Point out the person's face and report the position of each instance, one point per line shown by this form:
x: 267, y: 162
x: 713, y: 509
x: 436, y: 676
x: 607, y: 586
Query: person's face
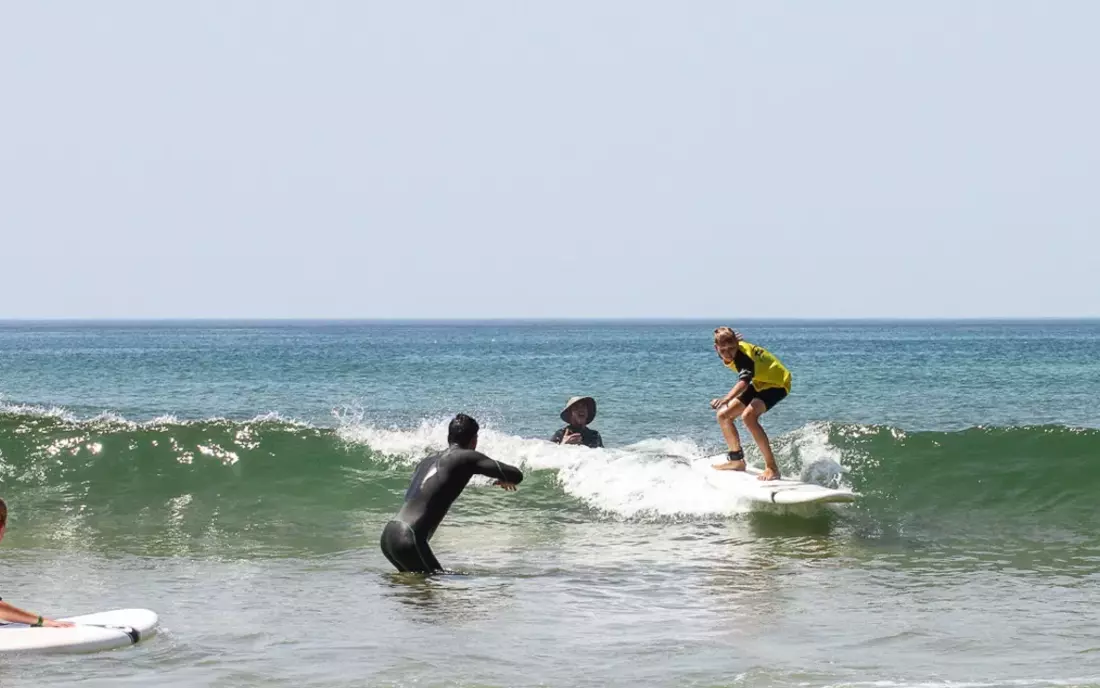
x: 726, y: 349
x: 578, y: 415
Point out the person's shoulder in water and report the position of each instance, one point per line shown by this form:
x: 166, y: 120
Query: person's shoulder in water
x: 578, y: 413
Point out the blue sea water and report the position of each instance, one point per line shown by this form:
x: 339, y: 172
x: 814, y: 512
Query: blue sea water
x: 234, y: 476
x: 651, y: 379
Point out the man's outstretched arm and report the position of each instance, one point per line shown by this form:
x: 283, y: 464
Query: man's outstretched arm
x: 483, y: 465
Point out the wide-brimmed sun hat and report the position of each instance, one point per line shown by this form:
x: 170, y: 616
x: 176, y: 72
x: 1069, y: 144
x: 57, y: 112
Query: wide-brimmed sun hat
x: 573, y: 401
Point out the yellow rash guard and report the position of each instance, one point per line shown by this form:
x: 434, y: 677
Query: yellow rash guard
x: 758, y: 366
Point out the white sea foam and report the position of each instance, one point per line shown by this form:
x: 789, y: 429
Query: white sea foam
x: 651, y: 477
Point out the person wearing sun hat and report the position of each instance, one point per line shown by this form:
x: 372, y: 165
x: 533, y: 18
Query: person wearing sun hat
x: 578, y: 413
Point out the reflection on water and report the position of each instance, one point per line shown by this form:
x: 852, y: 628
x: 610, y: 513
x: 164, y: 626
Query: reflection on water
x: 767, y: 524
x: 450, y: 598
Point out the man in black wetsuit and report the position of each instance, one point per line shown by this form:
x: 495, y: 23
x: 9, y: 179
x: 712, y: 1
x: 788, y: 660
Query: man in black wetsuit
x: 436, y: 483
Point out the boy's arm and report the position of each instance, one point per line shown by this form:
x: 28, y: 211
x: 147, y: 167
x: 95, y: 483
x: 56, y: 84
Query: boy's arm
x: 746, y: 371
x: 737, y: 391
x: 10, y: 612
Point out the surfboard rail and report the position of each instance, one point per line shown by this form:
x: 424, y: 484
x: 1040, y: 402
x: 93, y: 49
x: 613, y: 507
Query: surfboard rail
x: 782, y: 491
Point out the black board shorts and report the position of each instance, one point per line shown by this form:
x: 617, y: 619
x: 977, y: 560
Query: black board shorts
x: 770, y: 396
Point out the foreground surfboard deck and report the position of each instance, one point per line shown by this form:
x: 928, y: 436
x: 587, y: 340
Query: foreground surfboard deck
x: 93, y: 632
x: 782, y: 491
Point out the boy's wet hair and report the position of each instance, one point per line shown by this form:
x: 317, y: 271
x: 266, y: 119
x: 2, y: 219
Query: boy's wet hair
x: 462, y: 431
x: 3, y: 512
x: 726, y: 334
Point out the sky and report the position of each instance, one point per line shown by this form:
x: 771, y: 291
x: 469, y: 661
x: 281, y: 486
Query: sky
x: 634, y: 159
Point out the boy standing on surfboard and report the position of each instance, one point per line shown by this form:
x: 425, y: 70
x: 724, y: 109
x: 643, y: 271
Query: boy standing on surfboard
x: 762, y: 382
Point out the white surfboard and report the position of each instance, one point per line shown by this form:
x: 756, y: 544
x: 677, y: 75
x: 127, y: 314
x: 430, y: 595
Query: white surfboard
x: 92, y: 633
x: 782, y: 491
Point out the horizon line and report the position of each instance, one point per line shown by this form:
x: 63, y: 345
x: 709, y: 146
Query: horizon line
x: 560, y: 319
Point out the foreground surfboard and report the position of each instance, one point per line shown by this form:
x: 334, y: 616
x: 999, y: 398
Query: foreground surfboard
x: 782, y: 491
x: 93, y: 632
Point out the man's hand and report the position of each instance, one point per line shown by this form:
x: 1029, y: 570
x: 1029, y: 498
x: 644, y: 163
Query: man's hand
x: 715, y: 403
x: 511, y: 487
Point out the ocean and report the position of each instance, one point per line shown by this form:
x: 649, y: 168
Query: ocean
x: 235, y: 477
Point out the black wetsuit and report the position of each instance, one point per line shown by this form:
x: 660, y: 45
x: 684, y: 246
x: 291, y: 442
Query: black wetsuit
x: 589, y: 437
x: 436, y: 483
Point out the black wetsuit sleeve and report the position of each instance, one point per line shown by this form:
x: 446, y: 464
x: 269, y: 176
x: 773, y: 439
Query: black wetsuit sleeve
x: 492, y: 468
x: 556, y: 439
x: 745, y: 365
x: 598, y: 440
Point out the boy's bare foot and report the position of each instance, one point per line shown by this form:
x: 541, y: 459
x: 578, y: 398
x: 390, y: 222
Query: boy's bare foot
x: 738, y: 465
x: 768, y: 474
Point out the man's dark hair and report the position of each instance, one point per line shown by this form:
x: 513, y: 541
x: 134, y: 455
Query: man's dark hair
x: 462, y: 431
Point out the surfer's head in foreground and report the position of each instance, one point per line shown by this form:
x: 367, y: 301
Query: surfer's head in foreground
x: 13, y: 614
x: 462, y: 432
x: 762, y: 382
